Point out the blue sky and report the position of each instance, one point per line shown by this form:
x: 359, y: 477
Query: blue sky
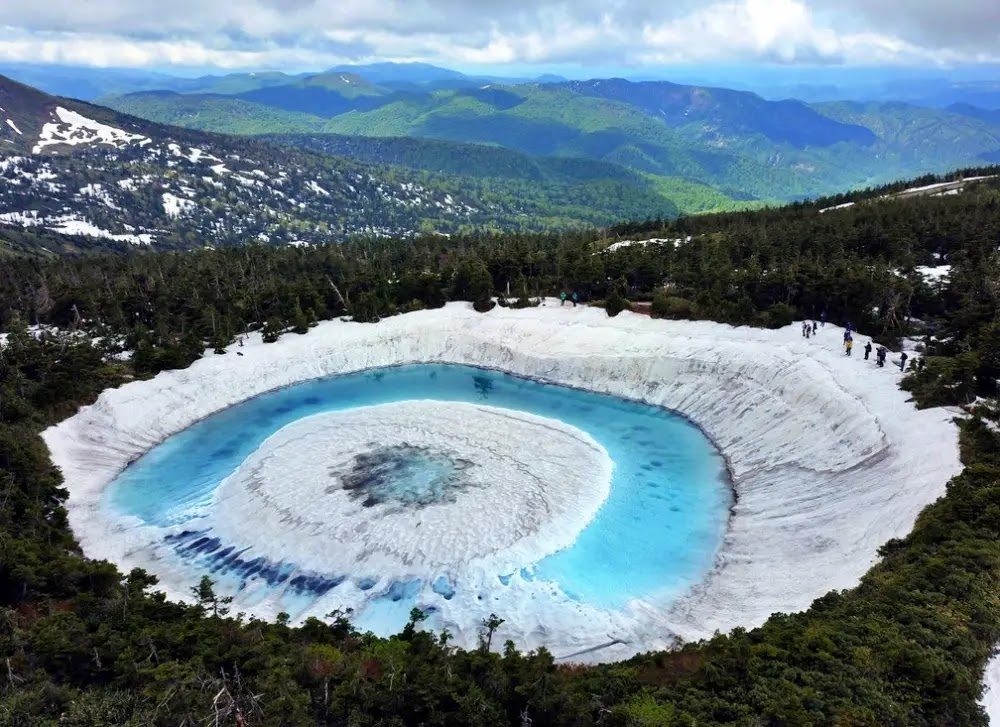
x: 520, y: 37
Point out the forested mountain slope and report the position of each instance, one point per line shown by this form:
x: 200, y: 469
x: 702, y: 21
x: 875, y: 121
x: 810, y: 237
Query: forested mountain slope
x: 85, y: 644
x: 734, y: 141
x: 110, y: 180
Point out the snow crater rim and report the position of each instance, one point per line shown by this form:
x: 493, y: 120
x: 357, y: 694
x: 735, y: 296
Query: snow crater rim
x: 828, y: 461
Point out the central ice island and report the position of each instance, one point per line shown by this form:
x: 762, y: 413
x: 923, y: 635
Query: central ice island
x: 606, y: 486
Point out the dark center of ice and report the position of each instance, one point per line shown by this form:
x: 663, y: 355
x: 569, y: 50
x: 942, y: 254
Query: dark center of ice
x: 404, y: 475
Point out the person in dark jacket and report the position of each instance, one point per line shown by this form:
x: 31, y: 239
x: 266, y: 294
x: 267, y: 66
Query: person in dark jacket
x: 822, y: 318
x: 902, y: 361
x: 868, y: 350
x: 814, y: 327
x: 576, y: 299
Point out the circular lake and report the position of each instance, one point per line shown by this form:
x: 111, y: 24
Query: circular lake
x: 324, y: 494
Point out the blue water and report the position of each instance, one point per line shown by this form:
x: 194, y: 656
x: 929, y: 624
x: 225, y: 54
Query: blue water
x: 657, y: 532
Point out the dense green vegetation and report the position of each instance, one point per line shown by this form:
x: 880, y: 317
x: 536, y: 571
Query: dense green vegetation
x: 86, y: 645
x: 522, y: 176
x: 745, y: 147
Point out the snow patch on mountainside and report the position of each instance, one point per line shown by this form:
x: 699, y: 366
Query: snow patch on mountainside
x: 174, y: 206
x: 73, y: 129
x: 621, y: 244
x: 12, y: 125
x: 837, y: 207
x: 71, y: 225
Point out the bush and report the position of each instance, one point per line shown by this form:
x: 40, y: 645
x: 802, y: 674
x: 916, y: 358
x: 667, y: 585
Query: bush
x: 669, y: 306
x: 272, y: 330
x: 484, y: 304
x: 616, y: 302
x: 780, y: 315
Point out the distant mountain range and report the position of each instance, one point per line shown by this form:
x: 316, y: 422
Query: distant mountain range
x: 89, y: 84
x: 736, y: 142
x: 75, y: 176
x: 410, y: 149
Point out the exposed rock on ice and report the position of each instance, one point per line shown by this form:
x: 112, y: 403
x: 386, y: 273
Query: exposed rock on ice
x: 828, y: 459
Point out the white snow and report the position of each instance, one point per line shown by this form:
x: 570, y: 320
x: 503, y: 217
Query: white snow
x: 174, y: 206
x: 991, y: 697
x: 72, y: 225
x: 621, y: 244
x: 828, y: 458
x: 837, y: 207
x: 935, y: 274
x: 72, y: 129
x: 194, y: 154
x: 311, y: 184
x: 12, y: 125
x: 100, y: 193
x: 29, y: 218
x: 952, y: 187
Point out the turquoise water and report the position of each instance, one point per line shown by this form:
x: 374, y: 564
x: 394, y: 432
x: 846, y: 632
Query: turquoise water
x: 657, y: 532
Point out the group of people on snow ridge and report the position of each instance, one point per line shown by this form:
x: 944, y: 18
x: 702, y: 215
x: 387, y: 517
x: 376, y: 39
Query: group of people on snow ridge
x: 562, y: 298
x: 809, y: 329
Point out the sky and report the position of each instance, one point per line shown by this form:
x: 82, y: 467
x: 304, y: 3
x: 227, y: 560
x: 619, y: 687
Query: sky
x: 526, y: 35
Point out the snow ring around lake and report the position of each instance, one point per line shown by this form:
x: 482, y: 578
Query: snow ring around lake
x: 411, y: 489
x: 827, y: 457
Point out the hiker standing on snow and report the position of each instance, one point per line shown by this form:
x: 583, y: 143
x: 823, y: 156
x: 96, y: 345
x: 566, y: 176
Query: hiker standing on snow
x: 849, y: 345
x: 822, y: 318
x: 902, y: 361
x: 868, y: 350
x: 881, y: 355
x: 562, y: 298
x: 576, y: 299
x: 814, y: 328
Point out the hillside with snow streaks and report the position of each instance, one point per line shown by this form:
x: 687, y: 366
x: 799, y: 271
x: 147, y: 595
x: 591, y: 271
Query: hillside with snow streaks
x: 112, y: 181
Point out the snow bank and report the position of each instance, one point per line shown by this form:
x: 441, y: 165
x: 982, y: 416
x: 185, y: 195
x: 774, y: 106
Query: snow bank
x: 843, y: 206
x: 991, y: 697
x: 828, y: 459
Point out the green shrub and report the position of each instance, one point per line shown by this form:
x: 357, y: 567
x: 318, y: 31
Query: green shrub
x: 670, y: 306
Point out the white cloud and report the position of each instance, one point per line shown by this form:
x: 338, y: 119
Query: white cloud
x: 314, y: 33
